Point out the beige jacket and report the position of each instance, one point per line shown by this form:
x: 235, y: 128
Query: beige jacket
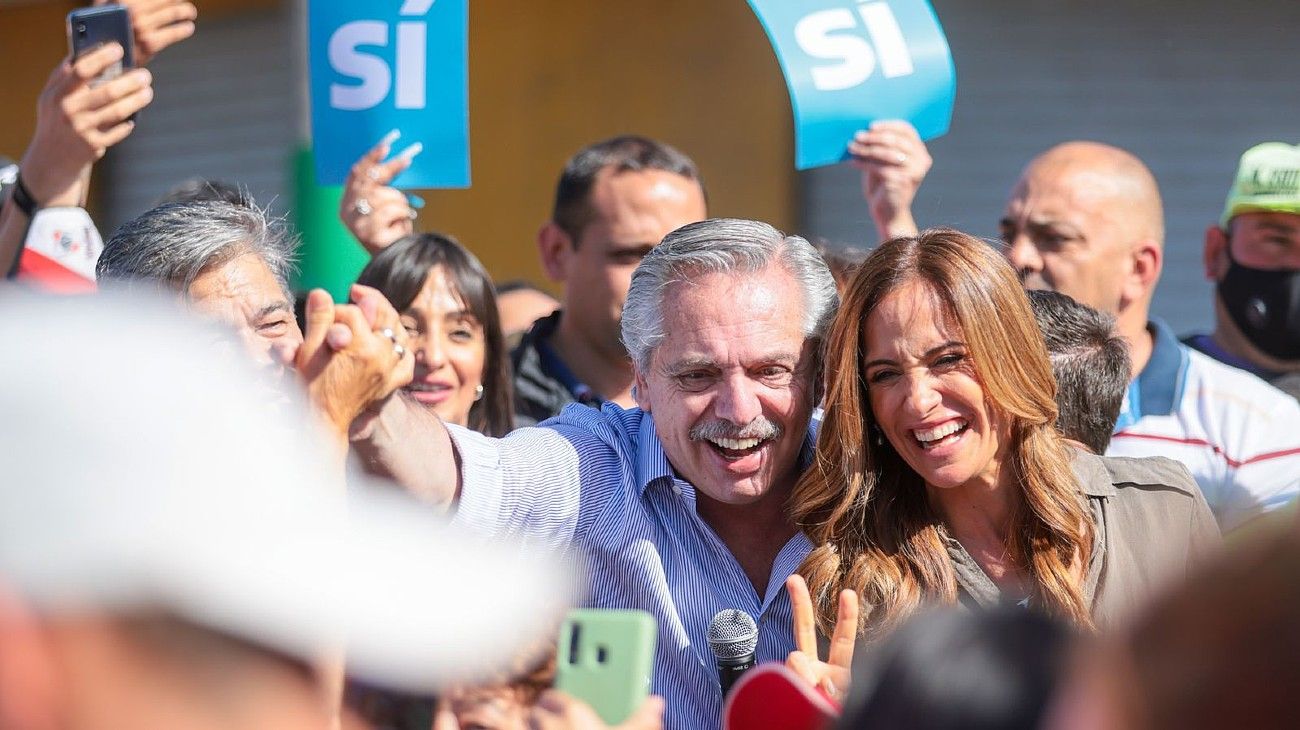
x: 1152, y: 524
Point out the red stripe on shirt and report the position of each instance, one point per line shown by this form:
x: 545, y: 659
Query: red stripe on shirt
x: 1202, y: 442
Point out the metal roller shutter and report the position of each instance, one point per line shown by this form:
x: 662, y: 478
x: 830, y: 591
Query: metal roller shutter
x: 225, y: 108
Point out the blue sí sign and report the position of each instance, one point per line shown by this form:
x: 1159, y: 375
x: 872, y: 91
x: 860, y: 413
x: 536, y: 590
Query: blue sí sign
x: 849, y: 63
x: 381, y: 65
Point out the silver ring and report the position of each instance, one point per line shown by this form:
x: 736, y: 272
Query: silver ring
x: 412, y: 213
x: 386, y: 332
x: 399, y: 350
x: 362, y: 207
x: 373, y: 173
x: 902, y: 158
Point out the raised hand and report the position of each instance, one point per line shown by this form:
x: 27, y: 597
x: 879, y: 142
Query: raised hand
x: 352, y: 355
x: 832, y: 675
x: 893, y: 161
x: 375, y: 213
x: 76, y: 124
x: 158, y: 24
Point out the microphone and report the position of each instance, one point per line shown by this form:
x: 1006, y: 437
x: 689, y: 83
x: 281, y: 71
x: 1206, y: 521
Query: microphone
x: 733, y: 636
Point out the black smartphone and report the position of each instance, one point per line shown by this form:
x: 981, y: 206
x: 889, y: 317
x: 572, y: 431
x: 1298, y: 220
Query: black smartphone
x: 91, y: 28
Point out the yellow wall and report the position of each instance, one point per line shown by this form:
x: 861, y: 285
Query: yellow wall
x: 32, y: 40
x: 545, y: 79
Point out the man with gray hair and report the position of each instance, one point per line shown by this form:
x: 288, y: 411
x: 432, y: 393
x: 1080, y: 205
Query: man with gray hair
x: 1090, y: 363
x: 230, y: 262
x: 678, y: 504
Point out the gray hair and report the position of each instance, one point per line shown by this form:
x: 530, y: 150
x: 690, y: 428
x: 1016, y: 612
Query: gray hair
x: 173, y: 243
x: 721, y: 245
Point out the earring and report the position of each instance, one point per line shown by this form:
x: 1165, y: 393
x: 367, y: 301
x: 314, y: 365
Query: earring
x: 478, y: 393
x: 880, y: 439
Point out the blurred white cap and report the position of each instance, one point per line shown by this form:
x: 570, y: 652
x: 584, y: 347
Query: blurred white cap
x: 140, y: 470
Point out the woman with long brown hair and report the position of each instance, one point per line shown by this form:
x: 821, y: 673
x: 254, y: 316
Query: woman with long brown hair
x: 940, y: 477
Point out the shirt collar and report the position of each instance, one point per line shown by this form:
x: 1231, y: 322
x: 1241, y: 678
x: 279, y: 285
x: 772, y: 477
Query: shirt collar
x: 1158, y: 388
x: 1090, y: 471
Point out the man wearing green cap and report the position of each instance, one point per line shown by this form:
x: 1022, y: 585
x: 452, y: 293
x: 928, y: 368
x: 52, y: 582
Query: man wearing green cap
x: 1253, y: 256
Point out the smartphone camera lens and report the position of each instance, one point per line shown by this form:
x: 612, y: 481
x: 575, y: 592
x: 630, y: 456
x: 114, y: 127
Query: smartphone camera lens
x: 574, y: 643
x: 81, y: 28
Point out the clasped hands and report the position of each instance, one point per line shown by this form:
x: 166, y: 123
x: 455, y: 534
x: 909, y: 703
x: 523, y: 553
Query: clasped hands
x: 353, y: 356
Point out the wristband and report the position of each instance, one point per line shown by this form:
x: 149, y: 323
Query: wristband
x: 22, y: 197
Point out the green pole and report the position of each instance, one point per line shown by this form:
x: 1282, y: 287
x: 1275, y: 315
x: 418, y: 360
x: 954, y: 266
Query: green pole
x: 330, y: 258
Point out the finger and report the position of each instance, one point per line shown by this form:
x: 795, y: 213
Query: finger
x: 111, y: 136
x: 160, y: 39
x: 112, y: 92
x: 338, y: 336
x: 802, y: 665
x: 883, y: 156
x: 94, y: 63
x: 386, y: 172
x: 382, y: 316
x: 898, y: 127
x: 875, y: 153
x: 120, y: 110
x: 386, y: 196
x: 319, y: 317
x: 379, y: 312
x: 846, y: 631
x: 803, y: 621
x: 374, y: 155
x: 163, y: 15
x: 369, y: 307
x: 355, y: 320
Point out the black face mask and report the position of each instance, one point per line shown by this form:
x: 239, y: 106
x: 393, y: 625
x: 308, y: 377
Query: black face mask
x: 1265, y: 306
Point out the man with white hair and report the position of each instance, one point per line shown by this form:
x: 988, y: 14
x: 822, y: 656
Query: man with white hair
x: 678, y: 504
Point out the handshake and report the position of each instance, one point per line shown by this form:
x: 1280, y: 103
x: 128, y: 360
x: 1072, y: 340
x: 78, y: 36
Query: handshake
x: 353, y: 357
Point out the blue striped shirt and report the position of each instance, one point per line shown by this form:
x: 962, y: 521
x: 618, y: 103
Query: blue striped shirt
x: 600, y: 481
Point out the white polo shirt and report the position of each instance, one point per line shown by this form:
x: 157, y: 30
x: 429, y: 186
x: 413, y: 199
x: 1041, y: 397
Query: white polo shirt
x: 1238, y: 435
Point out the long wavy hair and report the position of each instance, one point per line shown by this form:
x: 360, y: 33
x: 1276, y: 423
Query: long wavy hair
x: 867, y: 511
x: 399, y: 273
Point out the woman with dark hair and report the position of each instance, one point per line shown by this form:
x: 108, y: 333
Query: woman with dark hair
x: 940, y: 478
x: 449, y: 309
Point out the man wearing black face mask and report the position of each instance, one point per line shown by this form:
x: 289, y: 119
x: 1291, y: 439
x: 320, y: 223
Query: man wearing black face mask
x: 1253, y: 255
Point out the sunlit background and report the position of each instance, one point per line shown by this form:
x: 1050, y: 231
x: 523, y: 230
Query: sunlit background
x: 1186, y: 85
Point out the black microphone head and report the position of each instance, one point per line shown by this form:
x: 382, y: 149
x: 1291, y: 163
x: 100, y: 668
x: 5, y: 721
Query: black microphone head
x: 732, y: 635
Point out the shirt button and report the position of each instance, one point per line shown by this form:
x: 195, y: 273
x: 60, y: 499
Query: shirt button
x: 677, y: 489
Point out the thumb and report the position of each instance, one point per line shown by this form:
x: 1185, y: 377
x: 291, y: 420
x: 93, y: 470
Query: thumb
x: 319, y: 316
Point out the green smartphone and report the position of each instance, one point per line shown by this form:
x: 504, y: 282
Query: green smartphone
x: 605, y: 658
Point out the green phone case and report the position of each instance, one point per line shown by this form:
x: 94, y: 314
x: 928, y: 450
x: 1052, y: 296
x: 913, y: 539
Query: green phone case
x: 605, y: 658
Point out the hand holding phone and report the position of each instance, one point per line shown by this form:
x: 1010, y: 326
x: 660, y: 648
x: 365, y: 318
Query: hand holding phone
x: 605, y: 658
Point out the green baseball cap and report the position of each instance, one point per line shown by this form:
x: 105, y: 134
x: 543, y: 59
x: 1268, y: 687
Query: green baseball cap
x: 1268, y: 181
